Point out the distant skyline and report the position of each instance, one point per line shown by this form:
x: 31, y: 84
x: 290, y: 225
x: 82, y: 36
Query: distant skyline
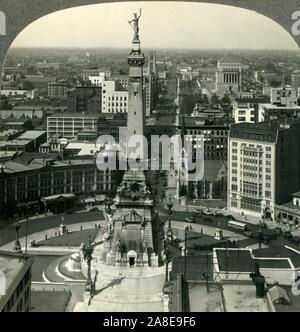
x: 162, y: 25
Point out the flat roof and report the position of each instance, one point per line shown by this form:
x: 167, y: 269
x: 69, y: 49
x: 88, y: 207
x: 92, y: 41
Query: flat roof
x: 75, y: 115
x: 11, y: 264
x: 31, y: 134
x: 238, y: 260
x: 279, y: 107
x: 242, y: 298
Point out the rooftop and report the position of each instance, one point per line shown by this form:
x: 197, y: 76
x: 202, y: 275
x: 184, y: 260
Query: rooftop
x: 11, y: 264
x: 230, y: 59
x: 75, y: 115
x: 242, y: 298
x: 31, y: 134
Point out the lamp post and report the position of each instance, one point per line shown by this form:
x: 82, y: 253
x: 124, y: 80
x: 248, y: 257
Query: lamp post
x: 167, y: 260
x: 108, y: 203
x: 169, y: 230
x: 87, y: 255
x: 17, y: 247
x: 185, y: 252
x: 260, y: 234
x: 185, y: 284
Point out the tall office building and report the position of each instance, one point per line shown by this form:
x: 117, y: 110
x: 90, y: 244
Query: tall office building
x: 263, y: 166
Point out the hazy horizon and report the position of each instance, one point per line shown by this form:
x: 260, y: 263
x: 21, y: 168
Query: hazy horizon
x: 163, y: 25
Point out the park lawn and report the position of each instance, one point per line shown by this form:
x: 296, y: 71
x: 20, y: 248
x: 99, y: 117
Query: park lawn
x: 49, y: 301
x: 73, y: 239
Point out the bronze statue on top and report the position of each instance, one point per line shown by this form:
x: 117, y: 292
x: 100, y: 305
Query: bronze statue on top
x: 134, y: 23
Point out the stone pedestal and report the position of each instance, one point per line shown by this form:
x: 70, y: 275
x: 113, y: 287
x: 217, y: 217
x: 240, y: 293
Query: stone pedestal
x: 219, y: 234
x: 145, y: 259
x: 111, y: 258
x: 154, y: 260
x: 63, y: 229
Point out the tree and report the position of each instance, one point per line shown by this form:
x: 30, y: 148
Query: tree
x: 183, y: 191
x: 214, y: 99
x: 27, y: 85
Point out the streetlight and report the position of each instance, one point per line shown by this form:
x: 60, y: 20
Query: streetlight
x: 186, y: 227
x: 260, y: 233
x: 170, y: 231
x: 17, y: 247
x: 185, y: 288
x: 26, y: 228
x: 87, y: 255
x: 167, y: 260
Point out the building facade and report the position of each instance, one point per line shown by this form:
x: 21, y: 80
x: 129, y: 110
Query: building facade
x: 263, y: 166
x: 58, y: 89
x: 15, y: 278
x: 85, y: 99
x: 229, y: 76
x: 68, y: 125
x: 28, y: 184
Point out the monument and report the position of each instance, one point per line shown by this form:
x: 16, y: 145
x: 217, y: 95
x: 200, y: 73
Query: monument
x: 136, y: 233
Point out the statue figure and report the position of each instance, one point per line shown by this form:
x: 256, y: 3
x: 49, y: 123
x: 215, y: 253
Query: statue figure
x: 134, y: 23
x: 145, y: 247
x: 118, y: 244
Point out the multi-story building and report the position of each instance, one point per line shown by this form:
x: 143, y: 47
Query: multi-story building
x: 97, y: 80
x: 28, y: 141
x: 15, y: 282
x: 284, y: 96
x: 19, y: 94
x: 247, y: 109
x: 229, y: 75
x: 58, y: 89
x: 263, y: 166
x: 85, y: 99
x: 269, y: 112
x: 68, y: 125
x: 86, y: 73
x: 57, y: 184
x: 122, y: 79
x: 114, y: 97
x: 295, y: 78
x: 215, y: 131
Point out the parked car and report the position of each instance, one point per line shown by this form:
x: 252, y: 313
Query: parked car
x: 295, y: 240
x: 248, y: 233
x: 219, y: 213
x: 197, y: 212
x: 287, y: 235
x: 208, y: 212
x: 191, y: 219
x: 94, y: 209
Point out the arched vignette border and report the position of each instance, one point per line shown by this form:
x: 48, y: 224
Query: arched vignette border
x: 21, y: 13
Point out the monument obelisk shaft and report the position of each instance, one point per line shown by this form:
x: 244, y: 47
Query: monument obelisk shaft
x: 136, y: 107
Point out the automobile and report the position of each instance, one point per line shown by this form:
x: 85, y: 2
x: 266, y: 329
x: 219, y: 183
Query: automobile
x: 197, y: 212
x: 208, y: 212
x: 191, y: 219
x: 231, y: 217
x: 295, y: 240
x: 248, y: 233
x: 279, y: 231
x: 94, y: 209
x: 219, y: 213
x: 287, y: 235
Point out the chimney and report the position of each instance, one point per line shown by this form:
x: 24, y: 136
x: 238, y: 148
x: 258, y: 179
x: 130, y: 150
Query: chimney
x: 259, y: 281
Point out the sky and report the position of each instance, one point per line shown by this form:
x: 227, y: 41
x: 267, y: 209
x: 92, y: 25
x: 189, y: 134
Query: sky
x: 162, y: 25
